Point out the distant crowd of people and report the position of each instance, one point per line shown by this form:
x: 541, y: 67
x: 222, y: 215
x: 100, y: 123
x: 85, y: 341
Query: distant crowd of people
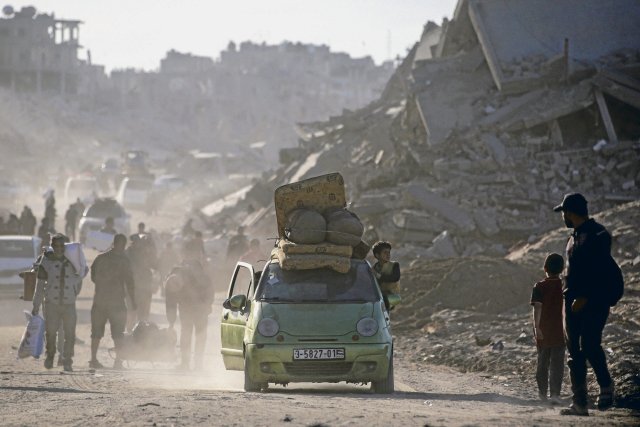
x: 24, y: 224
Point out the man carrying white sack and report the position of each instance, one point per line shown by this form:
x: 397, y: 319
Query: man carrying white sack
x: 58, y: 285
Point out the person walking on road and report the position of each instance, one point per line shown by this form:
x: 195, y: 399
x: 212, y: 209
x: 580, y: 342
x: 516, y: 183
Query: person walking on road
x: 50, y: 207
x: 27, y: 221
x: 189, y: 292
x: 546, y: 299
x: 111, y: 272
x: 586, y: 306
x: 141, y: 254
x: 237, y: 246
x: 58, y: 286
x: 70, y: 222
x: 109, y: 226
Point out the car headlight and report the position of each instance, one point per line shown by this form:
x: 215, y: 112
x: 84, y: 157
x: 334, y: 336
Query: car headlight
x: 367, y: 327
x: 268, y: 327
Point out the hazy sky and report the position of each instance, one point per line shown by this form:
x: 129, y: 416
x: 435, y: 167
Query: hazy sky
x: 138, y: 33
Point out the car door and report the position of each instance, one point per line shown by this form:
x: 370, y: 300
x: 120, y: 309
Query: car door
x: 233, y: 321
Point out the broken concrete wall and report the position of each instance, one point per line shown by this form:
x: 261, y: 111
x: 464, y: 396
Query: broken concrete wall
x: 526, y: 34
x: 494, y: 165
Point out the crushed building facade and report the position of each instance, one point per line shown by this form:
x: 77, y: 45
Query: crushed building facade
x: 38, y: 52
x: 456, y: 159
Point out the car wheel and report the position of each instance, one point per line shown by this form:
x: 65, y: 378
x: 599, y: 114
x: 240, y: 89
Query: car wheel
x: 385, y: 386
x: 249, y: 385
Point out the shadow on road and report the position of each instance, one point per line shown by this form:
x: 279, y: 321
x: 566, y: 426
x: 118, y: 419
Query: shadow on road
x: 361, y: 392
x: 50, y: 389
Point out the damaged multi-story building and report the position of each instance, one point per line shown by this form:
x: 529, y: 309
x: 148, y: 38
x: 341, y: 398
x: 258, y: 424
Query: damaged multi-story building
x: 488, y: 121
x: 254, y: 92
x: 38, y: 52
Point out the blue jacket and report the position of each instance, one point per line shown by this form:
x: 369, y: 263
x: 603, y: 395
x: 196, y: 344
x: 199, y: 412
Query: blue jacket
x: 588, y: 250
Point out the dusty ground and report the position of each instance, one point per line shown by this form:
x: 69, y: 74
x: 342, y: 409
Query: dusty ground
x: 442, y: 376
x: 145, y: 394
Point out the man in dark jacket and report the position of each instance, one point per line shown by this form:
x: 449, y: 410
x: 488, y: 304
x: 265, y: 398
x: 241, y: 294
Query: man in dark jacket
x: 190, y: 292
x: 112, y: 275
x: 27, y: 221
x: 586, y: 303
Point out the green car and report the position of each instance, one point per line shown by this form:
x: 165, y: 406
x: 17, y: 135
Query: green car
x: 281, y: 326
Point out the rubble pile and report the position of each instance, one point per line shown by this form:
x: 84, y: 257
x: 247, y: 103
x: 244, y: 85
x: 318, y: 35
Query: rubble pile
x: 473, y: 313
x: 480, y: 284
x: 452, y: 161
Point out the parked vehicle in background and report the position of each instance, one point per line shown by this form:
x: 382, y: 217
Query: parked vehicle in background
x: 17, y: 254
x: 135, y: 162
x: 84, y: 187
x: 134, y: 193
x: 95, y: 215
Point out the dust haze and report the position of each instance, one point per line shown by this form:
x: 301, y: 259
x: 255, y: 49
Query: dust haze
x: 455, y: 152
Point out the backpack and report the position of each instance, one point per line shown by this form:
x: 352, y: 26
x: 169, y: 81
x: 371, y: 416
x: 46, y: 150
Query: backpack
x: 614, y: 282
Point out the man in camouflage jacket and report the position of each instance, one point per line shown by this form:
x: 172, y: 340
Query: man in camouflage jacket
x: 58, y: 286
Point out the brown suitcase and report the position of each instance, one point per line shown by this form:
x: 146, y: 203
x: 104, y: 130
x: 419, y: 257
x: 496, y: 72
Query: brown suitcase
x: 29, y: 282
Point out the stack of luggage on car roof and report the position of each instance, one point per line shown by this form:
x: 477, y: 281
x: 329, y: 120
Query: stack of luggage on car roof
x: 318, y: 232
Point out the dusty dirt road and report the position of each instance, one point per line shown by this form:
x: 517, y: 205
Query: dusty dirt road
x: 147, y: 394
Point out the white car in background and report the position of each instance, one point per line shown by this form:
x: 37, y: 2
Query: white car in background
x: 17, y: 254
x: 134, y: 192
x: 94, y: 216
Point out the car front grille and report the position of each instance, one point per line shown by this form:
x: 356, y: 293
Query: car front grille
x: 318, y: 368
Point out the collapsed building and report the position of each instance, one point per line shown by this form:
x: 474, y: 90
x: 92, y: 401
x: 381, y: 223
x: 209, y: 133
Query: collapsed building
x: 252, y: 93
x: 488, y: 121
x: 38, y: 52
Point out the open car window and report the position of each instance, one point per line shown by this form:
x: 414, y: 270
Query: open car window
x: 318, y: 285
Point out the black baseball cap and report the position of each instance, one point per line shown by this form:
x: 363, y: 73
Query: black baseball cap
x: 573, y: 202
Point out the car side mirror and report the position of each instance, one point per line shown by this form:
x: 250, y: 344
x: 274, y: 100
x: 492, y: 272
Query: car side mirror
x: 393, y: 299
x: 235, y: 303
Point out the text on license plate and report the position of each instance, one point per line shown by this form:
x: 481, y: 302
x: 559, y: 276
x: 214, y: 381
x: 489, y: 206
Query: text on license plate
x: 318, y: 353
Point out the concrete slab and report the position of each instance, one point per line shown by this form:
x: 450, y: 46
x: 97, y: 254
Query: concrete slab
x: 509, y: 30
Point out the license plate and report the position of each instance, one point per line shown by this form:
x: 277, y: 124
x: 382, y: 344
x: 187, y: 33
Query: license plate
x: 318, y: 353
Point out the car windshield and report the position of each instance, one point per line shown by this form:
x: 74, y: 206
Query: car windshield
x: 16, y: 249
x: 318, y: 285
x: 104, y: 210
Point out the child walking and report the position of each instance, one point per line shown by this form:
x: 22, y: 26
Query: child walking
x: 546, y: 299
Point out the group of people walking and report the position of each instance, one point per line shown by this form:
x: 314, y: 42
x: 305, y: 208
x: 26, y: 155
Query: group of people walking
x: 124, y: 286
x: 24, y: 224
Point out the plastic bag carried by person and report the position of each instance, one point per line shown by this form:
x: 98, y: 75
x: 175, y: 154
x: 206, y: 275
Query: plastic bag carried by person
x: 32, y: 341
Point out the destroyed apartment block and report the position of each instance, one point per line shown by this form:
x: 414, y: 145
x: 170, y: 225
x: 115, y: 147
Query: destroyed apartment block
x: 39, y: 52
x: 486, y: 124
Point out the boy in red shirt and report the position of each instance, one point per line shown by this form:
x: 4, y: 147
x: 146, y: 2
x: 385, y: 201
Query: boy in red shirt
x: 546, y: 299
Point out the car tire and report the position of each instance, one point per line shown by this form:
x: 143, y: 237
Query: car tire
x: 385, y: 386
x: 249, y: 385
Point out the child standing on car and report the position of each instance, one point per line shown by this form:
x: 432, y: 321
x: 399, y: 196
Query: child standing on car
x: 546, y: 299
